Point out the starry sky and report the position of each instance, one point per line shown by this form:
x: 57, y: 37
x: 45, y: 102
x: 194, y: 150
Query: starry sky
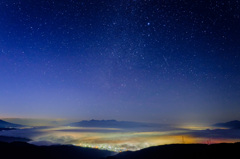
x: 139, y: 60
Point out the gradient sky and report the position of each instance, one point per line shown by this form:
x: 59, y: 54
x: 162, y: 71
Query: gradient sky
x: 141, y: 60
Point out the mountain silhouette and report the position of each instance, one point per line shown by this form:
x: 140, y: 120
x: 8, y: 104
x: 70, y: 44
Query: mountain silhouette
x: 28, y: 151
x: 4, y: 124
x: 235, y: 124
x: 185, y: 151
x: 13, y: 139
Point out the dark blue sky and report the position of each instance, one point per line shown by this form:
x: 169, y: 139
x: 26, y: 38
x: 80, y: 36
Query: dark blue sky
x: 143, y: 60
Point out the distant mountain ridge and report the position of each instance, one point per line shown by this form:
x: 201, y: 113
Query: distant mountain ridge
x: 5, y: 124
x: 108, y: 124
x: 235, y: 124
x: 10, y: 139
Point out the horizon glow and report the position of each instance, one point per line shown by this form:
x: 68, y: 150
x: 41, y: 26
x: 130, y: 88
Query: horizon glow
x: 112, y: 139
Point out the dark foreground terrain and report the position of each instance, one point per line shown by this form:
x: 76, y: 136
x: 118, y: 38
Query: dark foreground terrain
x: 177, y: 151
x: 184, y: 151
x: 27, y: 151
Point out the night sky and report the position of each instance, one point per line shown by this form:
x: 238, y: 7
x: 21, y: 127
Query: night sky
x: 139, y: 60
